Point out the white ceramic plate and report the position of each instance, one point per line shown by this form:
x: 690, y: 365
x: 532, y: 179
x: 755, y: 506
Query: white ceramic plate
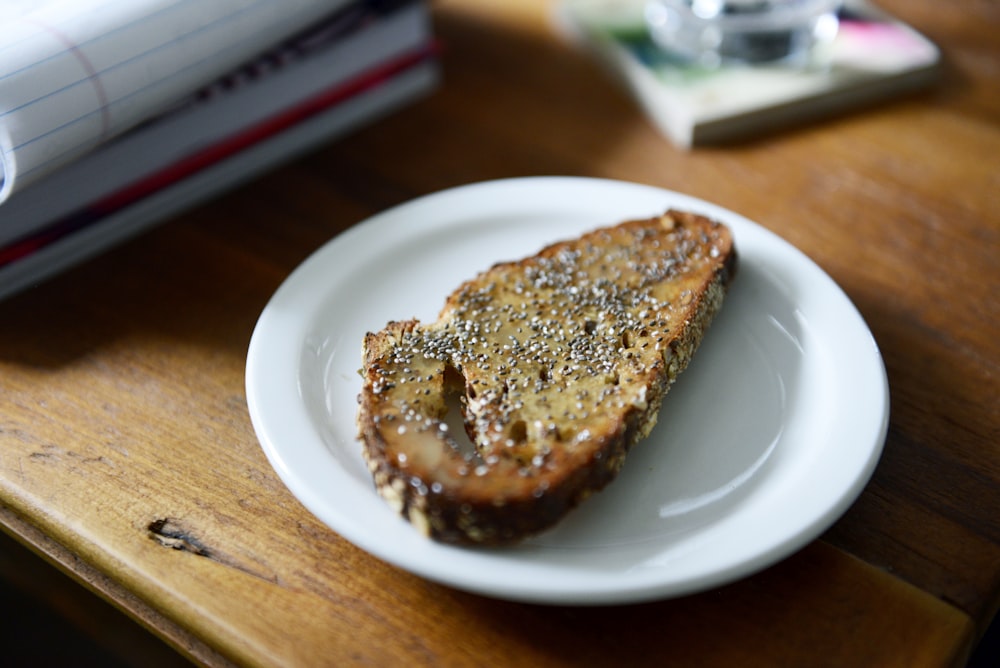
x: 764, y: 441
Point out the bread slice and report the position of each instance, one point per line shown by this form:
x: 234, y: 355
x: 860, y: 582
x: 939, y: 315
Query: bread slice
x: 557, y: 363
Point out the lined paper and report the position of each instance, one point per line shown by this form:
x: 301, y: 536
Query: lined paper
x: 75, y: 73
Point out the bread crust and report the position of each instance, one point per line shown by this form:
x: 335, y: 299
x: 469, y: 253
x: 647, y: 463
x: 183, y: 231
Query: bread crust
x: 558, y: 364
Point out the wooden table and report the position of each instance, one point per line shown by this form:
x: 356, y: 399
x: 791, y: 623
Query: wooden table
x: 127, y: 455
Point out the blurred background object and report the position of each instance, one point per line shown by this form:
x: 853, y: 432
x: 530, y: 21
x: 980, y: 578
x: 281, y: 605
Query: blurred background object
x: 710, y: 32
x: 711, y: 72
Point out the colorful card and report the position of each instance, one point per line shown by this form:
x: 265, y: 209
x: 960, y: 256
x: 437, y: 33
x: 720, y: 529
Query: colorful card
x: 872, y: 57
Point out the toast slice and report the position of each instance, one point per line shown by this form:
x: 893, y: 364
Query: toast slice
x: 557, y: 365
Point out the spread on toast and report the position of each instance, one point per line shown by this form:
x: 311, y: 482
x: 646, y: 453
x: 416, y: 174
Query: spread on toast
x: 554, y: 365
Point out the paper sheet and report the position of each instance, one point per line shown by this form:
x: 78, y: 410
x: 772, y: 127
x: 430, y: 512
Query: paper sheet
x: 74, y: 73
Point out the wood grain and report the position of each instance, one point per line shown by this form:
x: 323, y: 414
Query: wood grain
x: 127, y: 455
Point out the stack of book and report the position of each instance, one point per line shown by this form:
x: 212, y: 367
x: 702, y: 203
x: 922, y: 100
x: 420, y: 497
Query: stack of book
x: 338, y: 65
